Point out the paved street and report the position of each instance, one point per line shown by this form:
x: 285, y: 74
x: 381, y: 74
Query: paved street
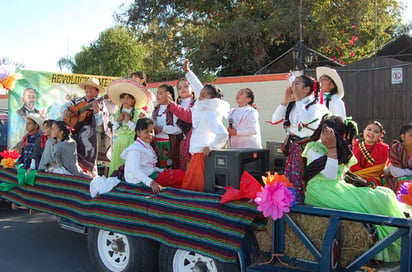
x: 34, y: 243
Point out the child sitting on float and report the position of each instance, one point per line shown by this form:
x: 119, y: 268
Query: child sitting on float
x: 329, y: 157
x: 372, y: 153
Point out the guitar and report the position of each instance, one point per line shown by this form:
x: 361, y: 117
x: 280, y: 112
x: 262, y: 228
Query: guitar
x: 81, y: 113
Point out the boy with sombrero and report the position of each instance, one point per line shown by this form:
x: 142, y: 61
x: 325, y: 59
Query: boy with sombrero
x: 332, y: 88
x: 85, y: 133
x: 131, y: 97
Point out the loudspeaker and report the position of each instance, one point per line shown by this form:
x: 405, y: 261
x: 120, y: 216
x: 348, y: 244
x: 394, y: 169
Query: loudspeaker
x: 224, y: 167
x: 277, y: 159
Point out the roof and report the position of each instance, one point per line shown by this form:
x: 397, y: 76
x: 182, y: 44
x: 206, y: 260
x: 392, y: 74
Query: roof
x: 399, y: 48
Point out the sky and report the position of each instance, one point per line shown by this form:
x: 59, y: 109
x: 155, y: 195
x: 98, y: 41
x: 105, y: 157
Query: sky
x: 37, y: 33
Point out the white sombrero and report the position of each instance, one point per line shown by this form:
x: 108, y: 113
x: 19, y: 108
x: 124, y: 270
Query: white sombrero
x: 128, y: 86
x: 94, y: 82
x: 36, y: 118
x: 334, y: 76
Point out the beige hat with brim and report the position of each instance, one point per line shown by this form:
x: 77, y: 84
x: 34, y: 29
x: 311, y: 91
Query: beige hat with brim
x: 334, y: 76
x: 131, y: 87
x: 36, y: 118
x: 94, y: 82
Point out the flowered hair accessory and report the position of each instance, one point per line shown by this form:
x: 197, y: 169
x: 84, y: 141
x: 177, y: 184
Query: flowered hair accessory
x: 277, y: 196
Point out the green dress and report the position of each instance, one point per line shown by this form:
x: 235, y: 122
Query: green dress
x: 125, y: 137
x: 337, y: 194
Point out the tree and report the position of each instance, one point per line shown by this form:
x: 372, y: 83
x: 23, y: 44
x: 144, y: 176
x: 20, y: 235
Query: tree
x: 116, y: 52
x: 238, y: 37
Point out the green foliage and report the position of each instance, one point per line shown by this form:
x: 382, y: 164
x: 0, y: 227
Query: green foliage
x: 116, y: 52
x: 238, y: 37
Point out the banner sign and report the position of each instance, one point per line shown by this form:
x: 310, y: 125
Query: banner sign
x: 44, y: 93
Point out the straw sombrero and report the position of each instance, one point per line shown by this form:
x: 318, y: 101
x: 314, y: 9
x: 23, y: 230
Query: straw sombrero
x: 128, y: 86
x: 334, y: 76
x: 94, y: 82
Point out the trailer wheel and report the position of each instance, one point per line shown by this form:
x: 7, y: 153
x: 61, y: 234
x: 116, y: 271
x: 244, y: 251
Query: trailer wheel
x: 179, y: 260
x: 115, y: 252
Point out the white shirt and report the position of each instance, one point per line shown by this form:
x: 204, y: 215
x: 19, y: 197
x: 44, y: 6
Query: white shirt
x: 331, y: 168
x: 246, y: 122
x: 194, y: 81
x: 207, y: 126
x: 300, y: 117
x: 140, y: 162
x: 161, y: 121
x: 336, y: 105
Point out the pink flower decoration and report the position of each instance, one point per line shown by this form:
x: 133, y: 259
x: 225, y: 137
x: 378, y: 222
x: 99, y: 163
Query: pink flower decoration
x: 274, y: 200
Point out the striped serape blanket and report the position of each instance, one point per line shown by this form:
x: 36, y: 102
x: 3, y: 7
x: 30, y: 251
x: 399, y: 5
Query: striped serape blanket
x: 182, y: 219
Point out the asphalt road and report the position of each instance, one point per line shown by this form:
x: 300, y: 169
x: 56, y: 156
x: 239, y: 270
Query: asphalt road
x: 35, y: 243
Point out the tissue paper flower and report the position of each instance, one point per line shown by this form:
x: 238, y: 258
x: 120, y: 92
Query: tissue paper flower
x: 405, y: 193
x: 270, y: 179
x: 8, y: 163
x: 275, y: 199
x: 8, y: 77
x: 249, y: 186
x: 10, y: 154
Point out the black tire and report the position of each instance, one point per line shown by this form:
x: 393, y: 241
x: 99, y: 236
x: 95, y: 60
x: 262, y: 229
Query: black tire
x: 114, y: 252
x: 178, y: 260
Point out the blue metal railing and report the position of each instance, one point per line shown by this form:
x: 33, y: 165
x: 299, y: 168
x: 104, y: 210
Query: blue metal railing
x: 324, y: 259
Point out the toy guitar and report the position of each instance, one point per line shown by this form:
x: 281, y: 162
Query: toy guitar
x: 81, y: 113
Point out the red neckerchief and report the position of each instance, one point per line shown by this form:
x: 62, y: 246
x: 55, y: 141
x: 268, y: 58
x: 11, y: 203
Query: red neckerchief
x: 24, y: 139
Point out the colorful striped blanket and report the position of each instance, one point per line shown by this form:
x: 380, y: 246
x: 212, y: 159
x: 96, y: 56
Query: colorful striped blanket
x: 182, y: 219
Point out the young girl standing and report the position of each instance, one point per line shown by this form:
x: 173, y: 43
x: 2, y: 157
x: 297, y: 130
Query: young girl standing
x: 167, y: 131
x: 125, y: 93
x: 208, y: 132
x: 187, y: 94
x: 371, y: 152
x: 332, y: 90
x: 244, y: 128
x: 301, y: 114
x: 60, y: 155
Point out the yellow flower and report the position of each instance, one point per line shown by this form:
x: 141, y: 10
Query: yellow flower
x: 8, y: 163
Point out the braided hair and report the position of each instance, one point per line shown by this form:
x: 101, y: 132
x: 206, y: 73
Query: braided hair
x: 313, y: 88
x: 134, y: 103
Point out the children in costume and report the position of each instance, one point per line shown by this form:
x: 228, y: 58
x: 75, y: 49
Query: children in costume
x: 329, y: 157
x: 33, y: 124
x: 40, y: 144
x: 141, y: 161
x: 208, y: 132
x: 244, y: 128
x: 400, y: 155
x: 372, y: 153
x: 60, y: 153
x: 332, y: 89
x: 300, y: 114
x: 167, y: 132
x: 131, y: 97
x: 188, y: 88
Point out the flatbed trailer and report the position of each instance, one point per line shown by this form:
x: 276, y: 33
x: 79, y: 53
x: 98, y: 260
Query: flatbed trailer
x: 130, y: 229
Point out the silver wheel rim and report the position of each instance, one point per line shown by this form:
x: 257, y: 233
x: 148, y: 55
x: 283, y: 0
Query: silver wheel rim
x: 114, y: 250
x: 185, y: 261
